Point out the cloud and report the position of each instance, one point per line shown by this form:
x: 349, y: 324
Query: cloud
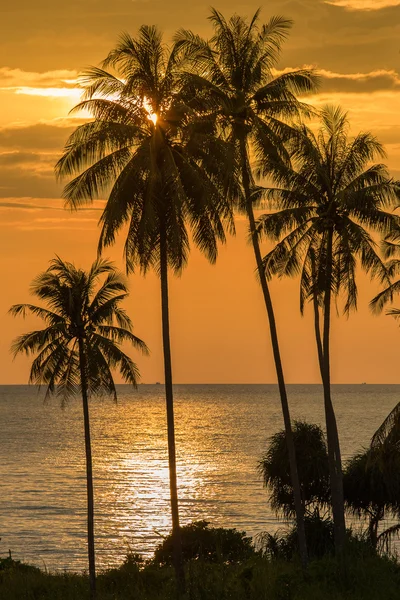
x: 29, y: 214
x: 15, y: 78
x: 40, y: 136
x: 25, y: 173
x: 31, y: 204
x: 367, y: 5
x: 11, y: 159
x: 360, y: 82
x: 372, y: 81
x: 24, y: 206
x: 52, y: 84
x: 58, y: 92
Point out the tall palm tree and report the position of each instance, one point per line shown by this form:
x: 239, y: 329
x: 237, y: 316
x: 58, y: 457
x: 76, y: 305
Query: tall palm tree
x: 327, y: 206
x: 160, y: 166
x: 234, y: 78
x: 80, y: 346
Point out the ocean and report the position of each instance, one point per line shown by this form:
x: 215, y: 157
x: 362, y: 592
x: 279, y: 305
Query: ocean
x: 221, y: 432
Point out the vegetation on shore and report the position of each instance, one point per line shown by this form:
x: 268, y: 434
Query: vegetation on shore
x: 367, y: 576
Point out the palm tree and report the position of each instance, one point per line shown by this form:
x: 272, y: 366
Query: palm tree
x: 160, y: 166
x: 391, y: 251
x: 327, y: 205
x: 312, y: 463
x: 372, y: 488
x: 233, y: 76
x: 80, y: 346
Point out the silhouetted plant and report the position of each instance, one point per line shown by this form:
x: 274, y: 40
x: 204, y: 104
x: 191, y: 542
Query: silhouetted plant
x: 284, y: 545
x: 80, y: 346
x: 372, y: 490
x: 233, y: 78
x: 209, y: 544
x: 327, y: 205
x: 161, y: 167
x: 391, y: 251
x: 312, y: 465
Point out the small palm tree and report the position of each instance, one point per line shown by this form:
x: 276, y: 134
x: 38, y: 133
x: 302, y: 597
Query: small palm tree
x: 313, y: 469
x: 80, y: 346
x: 327, y: 206
x: 391, y: 251
x: 161, y: 168
x: 372, y: 488
x: 233, y: 77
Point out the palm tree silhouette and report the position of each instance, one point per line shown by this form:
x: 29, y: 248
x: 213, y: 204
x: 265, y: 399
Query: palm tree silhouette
x: 328, y: 204
x: 161, y: 166
x: 312, y: 462
x: 372, y: 489
x: 80, y: 346
x: 233, y: 76
x: 391, y: 251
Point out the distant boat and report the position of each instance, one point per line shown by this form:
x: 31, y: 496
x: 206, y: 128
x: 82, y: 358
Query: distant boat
x: 158, y: 383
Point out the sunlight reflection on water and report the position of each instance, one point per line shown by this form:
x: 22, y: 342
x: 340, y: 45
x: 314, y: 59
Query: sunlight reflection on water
x: 220, y: 434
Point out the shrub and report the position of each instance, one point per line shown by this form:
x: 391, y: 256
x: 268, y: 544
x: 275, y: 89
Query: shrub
x: 210, y: 544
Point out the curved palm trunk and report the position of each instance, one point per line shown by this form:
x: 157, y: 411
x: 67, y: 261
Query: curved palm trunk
x: 335, y: 462
x: 177, y: 544
x: 89, y: 472
x: 299, y: 507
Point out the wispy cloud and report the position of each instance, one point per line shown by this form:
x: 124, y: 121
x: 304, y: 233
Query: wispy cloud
x: 31, y: 204
x: 14, y: 78
x: 52, y: 84
x: 392, y: 75
x: 364, y: 4
x: 57, y: 92
x: 48, y: 135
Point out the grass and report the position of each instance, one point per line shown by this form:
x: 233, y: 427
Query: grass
x: 362, y: 577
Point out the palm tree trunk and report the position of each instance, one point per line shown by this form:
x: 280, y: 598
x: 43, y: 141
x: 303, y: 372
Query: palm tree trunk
x: 298, y: 503
x: 318, y: 336
x: 335, y: 462
x: 89, y: 472
x: 177, y: 543
x: 316, y: 318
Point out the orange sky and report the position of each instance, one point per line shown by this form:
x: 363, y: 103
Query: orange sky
x: 219, y: 329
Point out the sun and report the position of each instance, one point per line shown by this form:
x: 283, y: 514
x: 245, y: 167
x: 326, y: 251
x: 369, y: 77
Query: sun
x: 152, y: 116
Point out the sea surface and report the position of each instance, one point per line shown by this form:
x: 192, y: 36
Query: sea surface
x: 221, y: 432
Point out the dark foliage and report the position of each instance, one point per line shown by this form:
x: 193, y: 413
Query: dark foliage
x: 372, y: 489
x: 284, y: 545
x: 312, y: 464
x: 210, y: 544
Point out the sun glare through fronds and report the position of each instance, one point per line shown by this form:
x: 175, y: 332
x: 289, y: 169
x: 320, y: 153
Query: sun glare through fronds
x: 152, y: 116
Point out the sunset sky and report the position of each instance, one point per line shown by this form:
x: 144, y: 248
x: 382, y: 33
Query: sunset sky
x: 219, y: 328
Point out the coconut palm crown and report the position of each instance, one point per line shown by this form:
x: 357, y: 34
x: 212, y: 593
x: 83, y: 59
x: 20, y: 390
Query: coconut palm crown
x: 331, y: 187
x: 79, y: 310
x: 157, y: 163
x: 235, y: 78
